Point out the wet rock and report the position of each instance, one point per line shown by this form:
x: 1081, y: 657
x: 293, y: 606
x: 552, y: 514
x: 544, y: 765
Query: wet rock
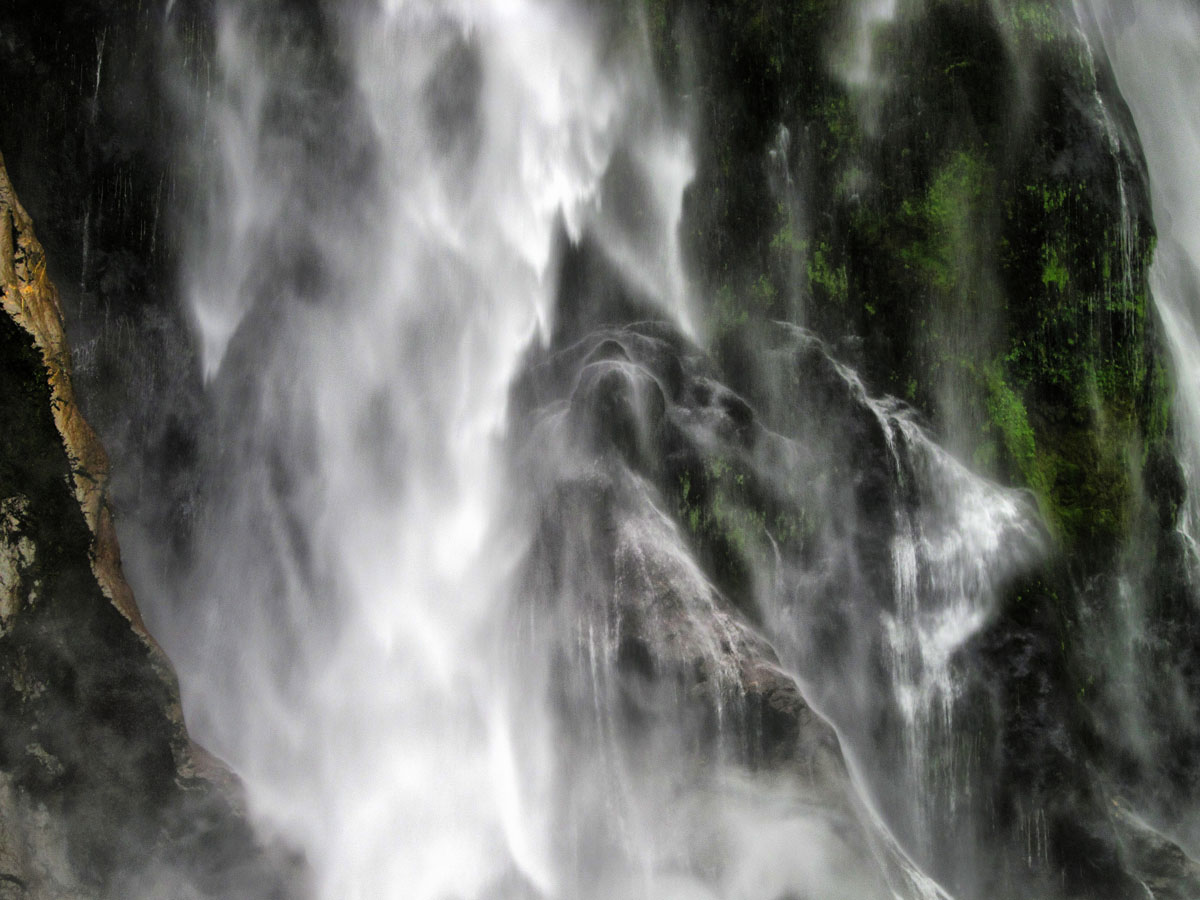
x: 651, y: 537
x: 101, y: 791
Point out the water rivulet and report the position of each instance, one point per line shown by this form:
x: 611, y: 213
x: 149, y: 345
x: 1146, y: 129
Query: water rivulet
x: 678, y: 449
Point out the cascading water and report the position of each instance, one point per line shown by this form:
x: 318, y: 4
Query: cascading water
x: 1155, y: 53
x: 362, y: 301
x: 1161, y: 97
x: 500, y: 592
x: 963, y: 538
x: 904, y: 571
x: 353, y: 656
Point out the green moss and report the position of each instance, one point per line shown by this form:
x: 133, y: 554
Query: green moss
x: 727, y: 313
x: 1054, y: 197
x: 1092, y: 493
x: 1079, y: 466
x: 734, y: 526
x: 944, y: 222
x: 1032, y: 19
x: 840, y: 133
x: 734, y: 310
x: 1074, y: 270
x: 793, y: 529
x: 1007, y: 414
x: 763, y: 293
x: 1162, y: 398
x: 852, y: 180
x: 786, y: 240
x: 957, y: 184
x: 1054, y: 270
x: 827, y: 279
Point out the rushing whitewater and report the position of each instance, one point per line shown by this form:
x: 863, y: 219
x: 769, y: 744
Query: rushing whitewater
x: 499, y: 591
x: 380, y: 327
x: 361, y: 310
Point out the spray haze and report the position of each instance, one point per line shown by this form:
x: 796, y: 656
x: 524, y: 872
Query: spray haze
x: 379, y: 252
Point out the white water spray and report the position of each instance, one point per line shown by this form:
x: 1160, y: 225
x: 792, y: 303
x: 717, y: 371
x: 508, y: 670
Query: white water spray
x: 347, y: 665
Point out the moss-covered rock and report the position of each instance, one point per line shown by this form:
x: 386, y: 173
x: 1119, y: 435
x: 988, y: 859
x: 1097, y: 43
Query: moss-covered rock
x: 975, y: 211
x: 953, y: 196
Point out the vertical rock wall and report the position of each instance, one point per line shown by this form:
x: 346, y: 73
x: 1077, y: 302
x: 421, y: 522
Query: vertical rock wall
x: 101, y: 791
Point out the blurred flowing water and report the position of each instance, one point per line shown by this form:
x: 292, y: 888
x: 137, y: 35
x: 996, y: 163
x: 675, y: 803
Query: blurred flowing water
x: 449, y: 550
x: 914, y: 550
x: 362, y: 300
x: 1154, y: 49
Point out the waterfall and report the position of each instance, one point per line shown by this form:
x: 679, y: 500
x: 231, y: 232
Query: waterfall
x: 369, y: 273
x: 503, y: 584
x: 367, y: 650
x: 382, y: 230
x: 1155, y: 53
x: 914, y: 551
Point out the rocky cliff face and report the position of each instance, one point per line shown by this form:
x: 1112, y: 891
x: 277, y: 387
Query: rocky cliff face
x: 101, y: 791
x: 953, y: 197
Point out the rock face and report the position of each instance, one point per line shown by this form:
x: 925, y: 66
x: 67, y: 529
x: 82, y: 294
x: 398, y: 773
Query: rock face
x: 101, y: 791
x: 954, y: 197
x: 660, y: 658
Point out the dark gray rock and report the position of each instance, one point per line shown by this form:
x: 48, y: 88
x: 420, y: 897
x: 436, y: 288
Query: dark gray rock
x: 102, y: 793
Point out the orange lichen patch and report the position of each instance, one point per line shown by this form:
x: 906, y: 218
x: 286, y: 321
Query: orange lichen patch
x: 29, y: 297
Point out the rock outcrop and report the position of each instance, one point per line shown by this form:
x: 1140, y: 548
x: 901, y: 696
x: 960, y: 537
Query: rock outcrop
x: 101, y: 791
x: 658, y: 530
x: 954, y: 197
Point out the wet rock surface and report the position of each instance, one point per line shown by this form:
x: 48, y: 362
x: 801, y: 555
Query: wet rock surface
x: 101, y: 791
x: 681, y: 517
x: 614, y: 423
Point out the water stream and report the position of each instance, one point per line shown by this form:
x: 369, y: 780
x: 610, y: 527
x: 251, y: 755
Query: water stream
x: 453, y: 612
x: 1155, y: 53
x: 362, y: 300
x: 1153, y: 48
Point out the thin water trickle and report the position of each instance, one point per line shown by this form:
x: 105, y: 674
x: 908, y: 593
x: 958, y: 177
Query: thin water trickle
x: 100, y: 42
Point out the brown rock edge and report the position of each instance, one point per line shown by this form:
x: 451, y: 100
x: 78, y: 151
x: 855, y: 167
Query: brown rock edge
x: 29, y: 828
x: 29, y: 297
